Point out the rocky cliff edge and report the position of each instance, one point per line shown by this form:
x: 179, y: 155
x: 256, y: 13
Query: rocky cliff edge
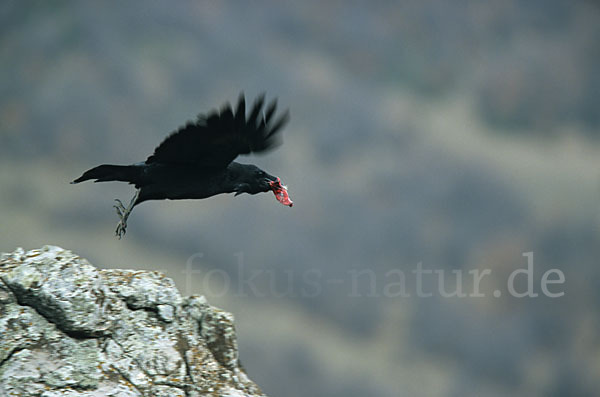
x: 69, y: 329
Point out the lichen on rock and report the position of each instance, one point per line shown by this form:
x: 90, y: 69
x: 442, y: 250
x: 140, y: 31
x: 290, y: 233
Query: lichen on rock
x: 69, y: 329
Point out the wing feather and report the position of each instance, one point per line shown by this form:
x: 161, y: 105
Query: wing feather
x: 216, y: 139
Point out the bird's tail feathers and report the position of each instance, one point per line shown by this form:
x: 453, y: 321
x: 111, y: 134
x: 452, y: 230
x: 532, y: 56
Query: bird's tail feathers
x: 109, y: 172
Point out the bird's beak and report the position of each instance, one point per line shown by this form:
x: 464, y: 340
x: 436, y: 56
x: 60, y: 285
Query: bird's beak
x: 281, y: 193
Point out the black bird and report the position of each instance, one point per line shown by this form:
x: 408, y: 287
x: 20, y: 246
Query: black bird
x: 196, y: 161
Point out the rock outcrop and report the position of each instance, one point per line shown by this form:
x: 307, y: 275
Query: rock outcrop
x: 69, y: 329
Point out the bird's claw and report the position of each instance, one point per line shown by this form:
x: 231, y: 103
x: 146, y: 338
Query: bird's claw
x: 123, y: 213
x: 121, y: 229
x: 120, y: 208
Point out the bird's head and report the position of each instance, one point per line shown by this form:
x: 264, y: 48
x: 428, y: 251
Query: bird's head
x: 253, y: 180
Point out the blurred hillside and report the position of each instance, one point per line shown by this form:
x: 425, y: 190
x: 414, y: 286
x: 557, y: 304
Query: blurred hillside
x: 455, y: 134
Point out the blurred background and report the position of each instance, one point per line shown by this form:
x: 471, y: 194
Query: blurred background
x: 458, y: 135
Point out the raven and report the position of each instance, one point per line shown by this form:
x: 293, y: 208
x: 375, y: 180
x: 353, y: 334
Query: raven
x: 196, y: 161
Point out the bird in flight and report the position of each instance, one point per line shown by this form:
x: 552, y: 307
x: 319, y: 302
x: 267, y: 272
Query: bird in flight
x: 196, y: 161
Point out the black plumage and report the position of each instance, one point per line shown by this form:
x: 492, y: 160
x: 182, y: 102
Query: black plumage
x: 196, y: 161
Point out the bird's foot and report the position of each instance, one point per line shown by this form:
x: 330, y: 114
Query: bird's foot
x: 121, y: 229
x: 120, y: 208
x: 123, y: 215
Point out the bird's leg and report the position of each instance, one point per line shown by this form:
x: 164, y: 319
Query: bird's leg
x: 123, y: 213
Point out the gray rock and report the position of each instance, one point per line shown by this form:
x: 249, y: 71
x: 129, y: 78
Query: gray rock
x: 69, y: 329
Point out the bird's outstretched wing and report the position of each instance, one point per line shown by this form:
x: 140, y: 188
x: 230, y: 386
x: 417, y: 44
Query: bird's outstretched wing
x: 216, y: 139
